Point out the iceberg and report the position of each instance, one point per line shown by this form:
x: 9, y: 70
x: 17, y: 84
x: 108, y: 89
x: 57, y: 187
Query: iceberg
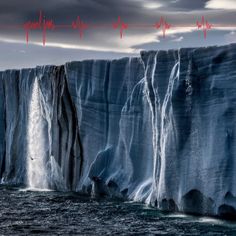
x: 159, y: 128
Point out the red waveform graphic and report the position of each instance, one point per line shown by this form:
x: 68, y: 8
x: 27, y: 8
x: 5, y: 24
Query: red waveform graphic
x: 163, y: 25
x: 120, y: 25
x: 41, y: 24
x: 44, y: 25
x: 204, y: 26
x: 80, y: 25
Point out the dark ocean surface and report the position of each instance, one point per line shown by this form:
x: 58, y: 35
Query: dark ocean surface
x: 55, y: 213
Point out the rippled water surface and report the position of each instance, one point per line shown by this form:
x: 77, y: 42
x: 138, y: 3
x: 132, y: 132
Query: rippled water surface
x: 54, y: 213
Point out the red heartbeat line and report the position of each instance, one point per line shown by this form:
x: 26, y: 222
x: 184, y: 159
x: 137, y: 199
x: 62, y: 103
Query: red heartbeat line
x: 121, y: 26
x: 40, y: 24
x: 81, y: 26
x: 163, y: 25
x: 204, y: 25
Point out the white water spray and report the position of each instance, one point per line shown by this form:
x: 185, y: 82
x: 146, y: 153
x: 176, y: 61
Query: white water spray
x: 36, y: 158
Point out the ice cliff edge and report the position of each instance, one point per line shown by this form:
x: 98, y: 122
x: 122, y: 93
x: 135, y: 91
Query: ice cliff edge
x: 159, y: 128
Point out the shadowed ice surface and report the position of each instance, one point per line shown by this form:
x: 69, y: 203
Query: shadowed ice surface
x: 158, y: 129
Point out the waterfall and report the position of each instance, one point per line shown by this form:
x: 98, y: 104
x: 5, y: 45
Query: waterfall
x: 150, y: 93
x: 161, y: 123
x: 36, y: 158
x: 159, y: 129
x: 166, y: 127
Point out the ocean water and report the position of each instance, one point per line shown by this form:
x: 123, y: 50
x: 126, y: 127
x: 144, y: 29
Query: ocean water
x: 55, y: 213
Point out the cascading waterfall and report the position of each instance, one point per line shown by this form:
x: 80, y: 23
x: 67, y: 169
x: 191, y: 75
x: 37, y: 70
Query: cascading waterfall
x: 36, y: 158
x: 161, y: 123
x: 148, y: 129
x: 166, y: 127
x: 151, y: 67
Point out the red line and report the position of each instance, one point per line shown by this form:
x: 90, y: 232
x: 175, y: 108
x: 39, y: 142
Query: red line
x: 80, y: 25
x: 100, y: 26
x: 120, y: 25
x: 141, y: 26
x: 204, y: 25
x: 41, y: 24
x: 63, y: 26
x: 130, y: 26
x: 162, y: 25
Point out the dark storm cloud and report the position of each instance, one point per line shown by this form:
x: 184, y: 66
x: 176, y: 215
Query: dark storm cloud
x: 101, y: 10
x: 94, y: 11
x: 177, y: 12
x: 61, y: 10
x: 187, y: 5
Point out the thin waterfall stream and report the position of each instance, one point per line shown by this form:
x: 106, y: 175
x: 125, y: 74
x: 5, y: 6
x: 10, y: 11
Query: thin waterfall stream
x: 36, y: 159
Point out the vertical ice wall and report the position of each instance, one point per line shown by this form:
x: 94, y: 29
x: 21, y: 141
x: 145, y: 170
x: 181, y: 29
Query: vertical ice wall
x: 39, y: 143
x: 195, y: 126
x: 159, y: 128
x: 99, y: 90
x: 13, y: 124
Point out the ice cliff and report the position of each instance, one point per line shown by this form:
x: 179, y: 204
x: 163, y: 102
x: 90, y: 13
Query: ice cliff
x: 159, y: 128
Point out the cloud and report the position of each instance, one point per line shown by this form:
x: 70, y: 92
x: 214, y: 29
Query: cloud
x: 187, y: 5
x: 116, y: 45
x: 221, y: 4
x: 179, y: 39
x: 181, y: 14
x: 152, y: 5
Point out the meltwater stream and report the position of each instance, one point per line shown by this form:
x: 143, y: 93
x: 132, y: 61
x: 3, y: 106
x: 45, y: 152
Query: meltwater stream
x: 36, y: 158
x: 43, y: 172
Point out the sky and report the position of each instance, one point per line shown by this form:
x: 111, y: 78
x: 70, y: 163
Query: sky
x: 64, y: 44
